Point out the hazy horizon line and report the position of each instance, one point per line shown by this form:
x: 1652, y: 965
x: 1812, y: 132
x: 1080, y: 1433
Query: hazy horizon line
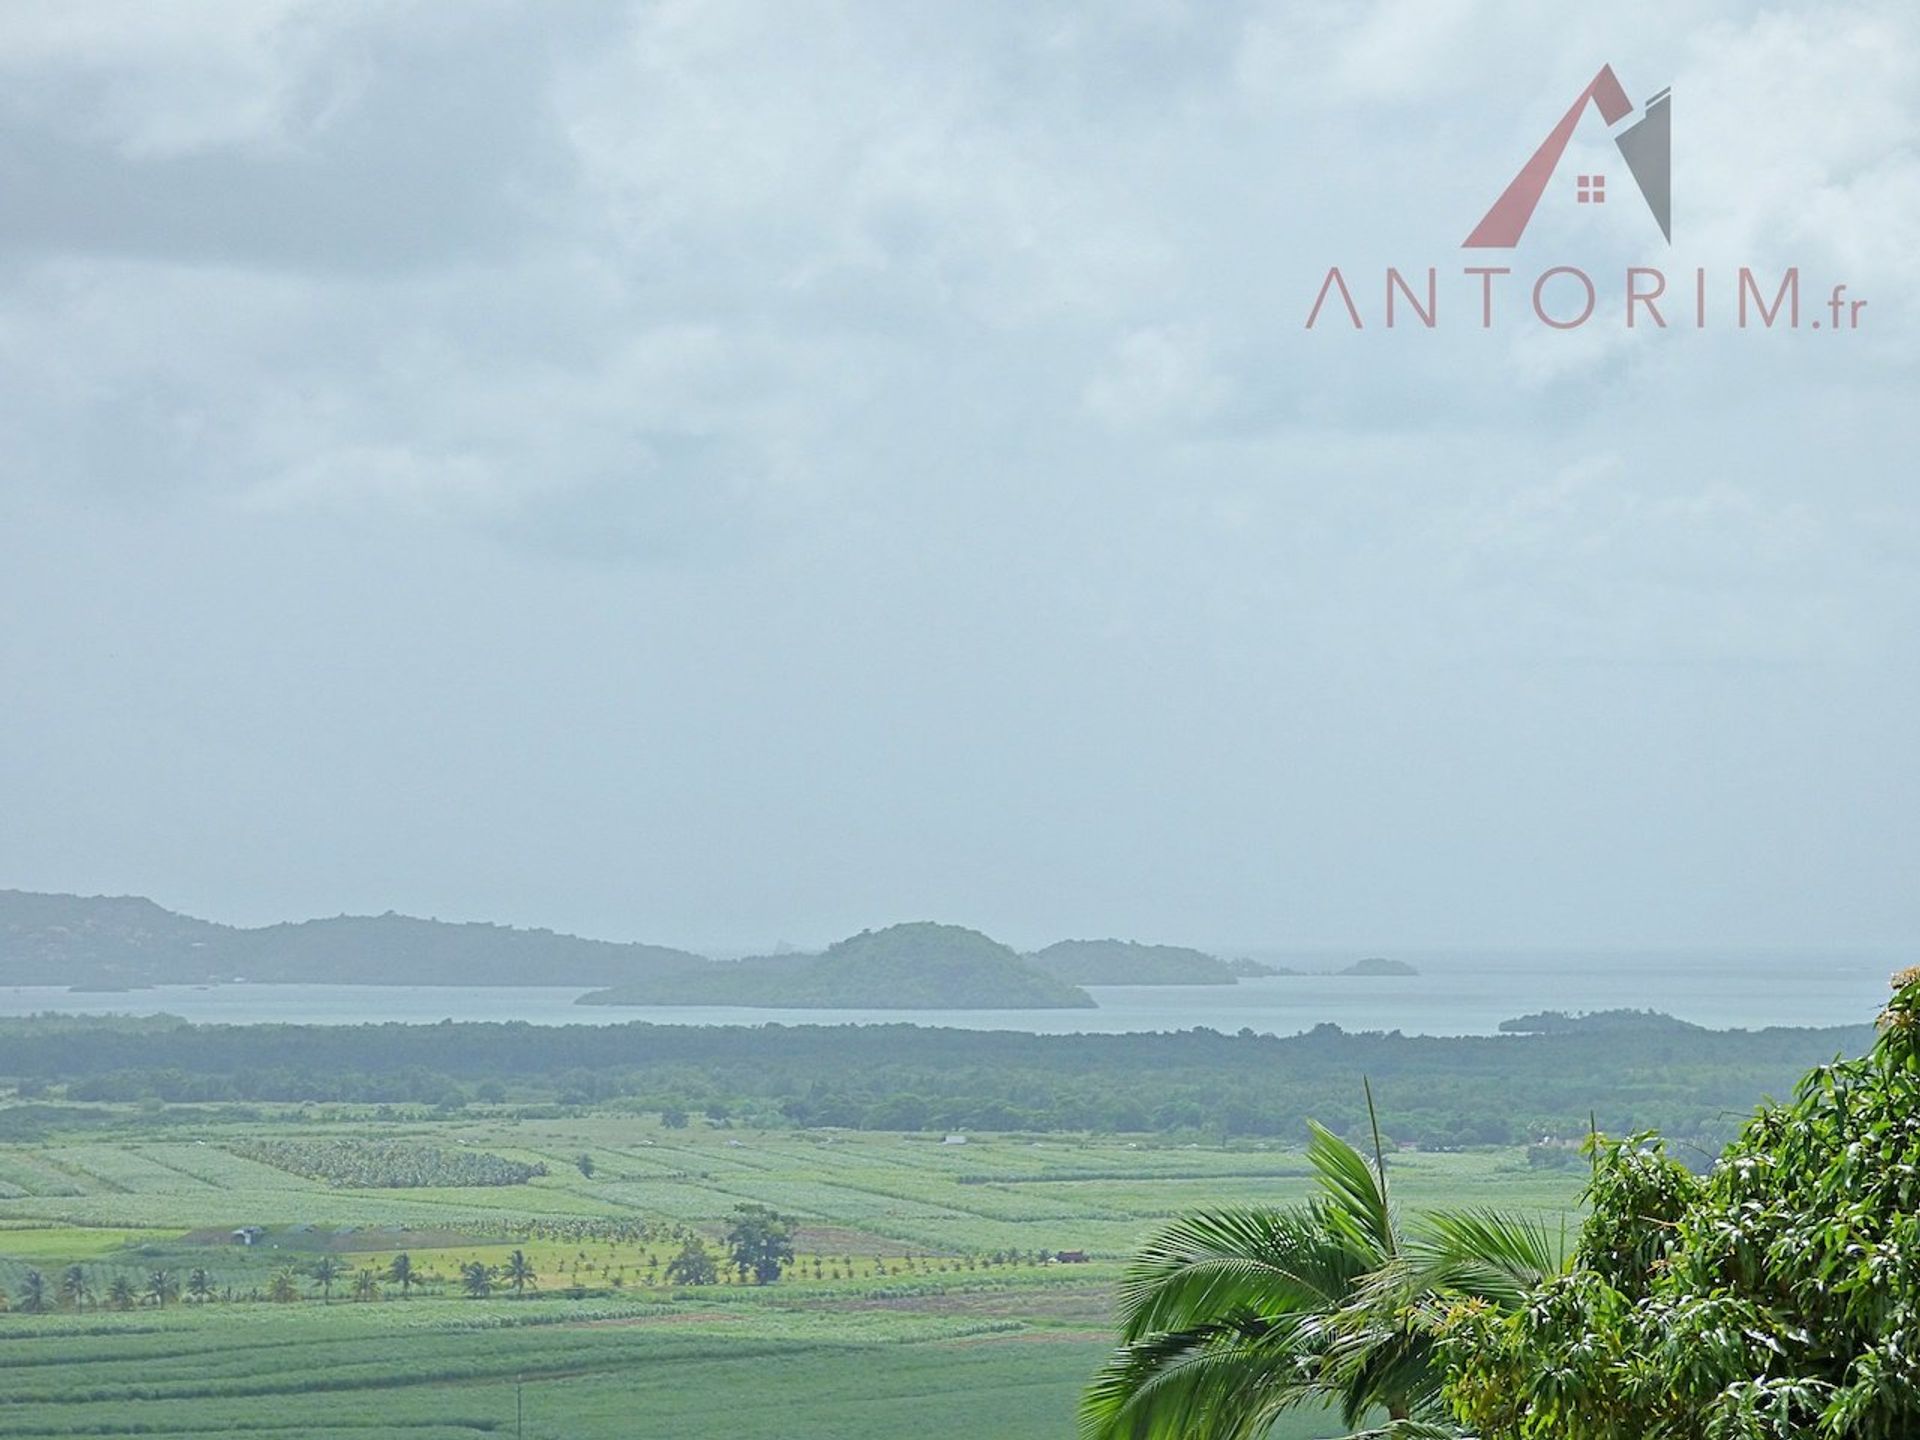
x: 733, y: 949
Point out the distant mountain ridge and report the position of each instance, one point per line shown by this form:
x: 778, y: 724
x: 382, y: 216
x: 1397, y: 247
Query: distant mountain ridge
x: 117, y: 942
x: 915, y: 966
x: 101, y: 940
x: 126, y: 942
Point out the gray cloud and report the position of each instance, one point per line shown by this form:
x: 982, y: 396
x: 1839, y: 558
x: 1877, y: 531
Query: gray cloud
x: 715, y: 472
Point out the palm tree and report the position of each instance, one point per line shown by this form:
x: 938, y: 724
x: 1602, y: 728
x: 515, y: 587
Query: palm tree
x: 120, y: 1293
x: 284, y: 1288
x: 33, y: 1292
x: 366, y: 1286
x: 476, y: 1278
x: 519, y: 1273
x: 75, y: 1288
x: 199, y: 1286
x: 1231, y: 1317
x: 325, y: 1271
x: 400, y: 1272
x: 162, y: 1287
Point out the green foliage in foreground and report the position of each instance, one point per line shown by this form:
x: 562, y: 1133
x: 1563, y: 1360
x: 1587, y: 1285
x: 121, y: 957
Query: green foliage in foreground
x: 1231, y: 1319
x: 1776, y: 1299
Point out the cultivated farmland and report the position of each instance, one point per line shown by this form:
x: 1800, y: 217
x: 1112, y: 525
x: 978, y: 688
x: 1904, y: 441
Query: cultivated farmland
x: 243, y: 1279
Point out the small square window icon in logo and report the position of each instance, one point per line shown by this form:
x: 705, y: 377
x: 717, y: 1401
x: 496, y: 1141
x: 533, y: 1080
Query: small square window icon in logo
x: 1591, y: 189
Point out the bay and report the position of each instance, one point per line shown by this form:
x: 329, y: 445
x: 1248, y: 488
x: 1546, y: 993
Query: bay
x: 1454, y: 993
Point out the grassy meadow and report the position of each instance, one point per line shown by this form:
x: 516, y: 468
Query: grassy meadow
x: 923, y: 1298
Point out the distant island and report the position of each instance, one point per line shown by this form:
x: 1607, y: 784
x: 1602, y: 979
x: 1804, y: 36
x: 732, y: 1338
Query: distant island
x: 1128, y: 962
x: 109, y: 943
x: 917, y: 966
x: 1559, y: 1022
x: 1253, y: 969
x: 1374, y: 965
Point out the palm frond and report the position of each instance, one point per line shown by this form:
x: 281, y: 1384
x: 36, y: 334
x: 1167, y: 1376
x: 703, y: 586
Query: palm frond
x: 1385, y: 1363
x: 1412, y: 1430
x: 1208, y: 1383
x: 1353, y: 1188
x: 1231, y: 1316
x: 1253, y: 1261
x: 1486, y: 1254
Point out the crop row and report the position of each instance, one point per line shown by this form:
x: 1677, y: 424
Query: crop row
x: 387, y: 1164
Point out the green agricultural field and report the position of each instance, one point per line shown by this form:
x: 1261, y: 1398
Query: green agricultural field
x: 923, y: 1299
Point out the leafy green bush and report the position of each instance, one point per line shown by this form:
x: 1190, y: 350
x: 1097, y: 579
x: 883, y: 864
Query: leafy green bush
x: 1776, y: 1298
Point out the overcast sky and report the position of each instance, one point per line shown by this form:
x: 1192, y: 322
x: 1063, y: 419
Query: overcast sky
x: 717, y: 473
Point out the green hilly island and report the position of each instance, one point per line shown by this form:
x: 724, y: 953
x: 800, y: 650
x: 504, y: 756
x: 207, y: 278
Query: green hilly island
x: 917, y: 966
x: 1128, y: 962
x: 125, y: 942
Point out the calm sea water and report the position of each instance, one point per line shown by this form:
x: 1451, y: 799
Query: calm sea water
x: 1454, y: 994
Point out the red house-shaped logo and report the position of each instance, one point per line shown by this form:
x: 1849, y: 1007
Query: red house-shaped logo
x: 1646, y: 146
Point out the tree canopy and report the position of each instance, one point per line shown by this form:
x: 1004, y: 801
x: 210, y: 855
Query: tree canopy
x: 694, y: 1265
x: 1776, y: 1298
x: 1438, y: 1092
x: 760, y: 1243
